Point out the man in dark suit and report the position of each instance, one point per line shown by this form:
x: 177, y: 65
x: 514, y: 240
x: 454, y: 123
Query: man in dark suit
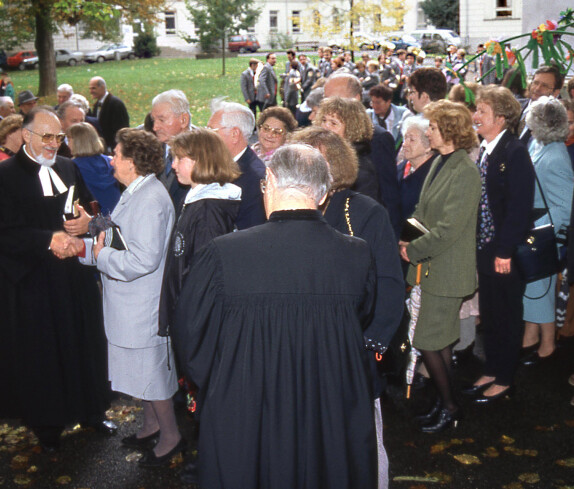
x: 110, y: 111
x: 171, y: 116
x: 308, y: 76
x: 382, y: 154
x: 69, y: 113
x: 267, y: 87
x: 235, y: 123
x: 248, y: 86
x: 547, y: 82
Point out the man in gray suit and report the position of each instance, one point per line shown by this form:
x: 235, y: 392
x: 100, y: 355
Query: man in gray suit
x: 171, y: 116
x: 248, y: 88
x: 309, y: 76
x: 267, y: 88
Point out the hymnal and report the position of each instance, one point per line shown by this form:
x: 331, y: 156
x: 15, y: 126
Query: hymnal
x: 413, y: 229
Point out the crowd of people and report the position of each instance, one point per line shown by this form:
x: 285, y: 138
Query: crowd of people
x: 266, y: 258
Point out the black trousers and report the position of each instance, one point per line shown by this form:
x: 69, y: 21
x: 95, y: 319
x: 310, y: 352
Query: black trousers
x: 500, y: 304
x: 254, y: 105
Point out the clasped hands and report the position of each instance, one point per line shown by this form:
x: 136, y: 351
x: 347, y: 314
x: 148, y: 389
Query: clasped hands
x: 65, y: 244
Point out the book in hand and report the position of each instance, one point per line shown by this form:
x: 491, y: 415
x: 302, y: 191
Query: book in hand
x: 413, y: 229
x: 114, y: 238
x: 70, y: 207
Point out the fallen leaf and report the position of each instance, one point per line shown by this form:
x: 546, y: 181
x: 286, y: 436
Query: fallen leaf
x: 413, y: 478
x: 63, y: 480
x: 515, y: 451
x: 439, y: 447
x: 531, y: 453
x: 513, y: 485
x: 569, y: 423
x: 529, y: 478
x: 176, y: 460
x: 32, y: 469
x: 456, y: 441
x: 506, y: 440
x: 19, y: 462
x: 22, y: 480
x: 491, y: 452
x: 467, y: 459
x: 441, y: 477
x: 569, y: 462
x: 546, y: 428
x: 133, y: 457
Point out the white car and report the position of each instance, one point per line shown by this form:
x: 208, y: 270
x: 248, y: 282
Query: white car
x: 109, y: 52
x: 63, y: 57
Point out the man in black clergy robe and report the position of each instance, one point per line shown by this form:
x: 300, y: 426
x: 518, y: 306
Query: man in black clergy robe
x: 52, y: 342
x: 270, y: 325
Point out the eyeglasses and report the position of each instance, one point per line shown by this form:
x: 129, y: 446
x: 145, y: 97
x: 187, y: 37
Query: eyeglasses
x: 263, y: 185
x: 48, y: 138
x: 275, y: 131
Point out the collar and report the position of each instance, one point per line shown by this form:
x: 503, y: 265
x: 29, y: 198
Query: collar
x: 48, y: 178
x: 214, y: 190
x: 240, y: 154
x: 101, y: 101
x: 137, y: 183
x: 489, y: 147
x: 296, y: 215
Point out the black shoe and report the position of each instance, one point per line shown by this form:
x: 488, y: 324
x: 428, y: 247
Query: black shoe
x: 472, y: 390
x: 420, y: 382
x: 429, y: 415
x: 505, y: 394
x: 444, y: 420
x: 150, y: 460
x: 146, y: 442
x: 535, y: 359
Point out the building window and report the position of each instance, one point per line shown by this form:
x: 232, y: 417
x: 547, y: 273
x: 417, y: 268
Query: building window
x: 273, y: 20
x: 504, y: 8
x: 296, y: 21
x: 169, y: 22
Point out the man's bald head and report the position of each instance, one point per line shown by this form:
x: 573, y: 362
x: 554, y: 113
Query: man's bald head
x: 343, y: 85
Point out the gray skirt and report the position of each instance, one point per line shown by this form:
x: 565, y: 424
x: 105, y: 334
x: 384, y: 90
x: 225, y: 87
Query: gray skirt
x: 142, y: 372
x: 438, y: 325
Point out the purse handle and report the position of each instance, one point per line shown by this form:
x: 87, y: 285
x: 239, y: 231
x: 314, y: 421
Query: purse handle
x: 543, y: 198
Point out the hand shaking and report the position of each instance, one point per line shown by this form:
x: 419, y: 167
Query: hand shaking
x: 64, y: 246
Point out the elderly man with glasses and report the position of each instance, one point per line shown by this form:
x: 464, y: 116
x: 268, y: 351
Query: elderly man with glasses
x: 52, y: 343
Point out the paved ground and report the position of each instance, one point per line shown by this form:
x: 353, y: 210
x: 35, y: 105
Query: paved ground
x: 526, y: 442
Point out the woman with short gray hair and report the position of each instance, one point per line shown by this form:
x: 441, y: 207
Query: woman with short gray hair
x: 548, y: 122
x: 412, y: 171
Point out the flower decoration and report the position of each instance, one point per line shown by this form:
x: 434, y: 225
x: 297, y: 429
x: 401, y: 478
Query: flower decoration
x: 493, y: 47
x: 510, y: 56
x: 538, y: 33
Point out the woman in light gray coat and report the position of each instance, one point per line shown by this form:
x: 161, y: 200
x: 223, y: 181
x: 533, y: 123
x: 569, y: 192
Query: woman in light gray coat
x: 139, y: 360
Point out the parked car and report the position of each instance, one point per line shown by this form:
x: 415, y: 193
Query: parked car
x: 63, y: 57
x: 436, y: 40
x: 243, y: 43
x: 109, y: 52
x: 402, y: 41
x: 361, y: 41
x: 16, y: 59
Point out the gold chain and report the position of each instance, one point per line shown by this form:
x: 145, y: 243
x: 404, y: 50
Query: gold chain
x: 348, y: 217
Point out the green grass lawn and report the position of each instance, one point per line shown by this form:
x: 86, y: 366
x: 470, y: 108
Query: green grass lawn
x: 137, y: 82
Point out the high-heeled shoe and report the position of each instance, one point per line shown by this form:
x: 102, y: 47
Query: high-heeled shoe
x: 151, y: 460
x: 505, y: 394
x: 445, y: 419
x: 471, y: 390
x: 430, y: 414
x: 146, y: 442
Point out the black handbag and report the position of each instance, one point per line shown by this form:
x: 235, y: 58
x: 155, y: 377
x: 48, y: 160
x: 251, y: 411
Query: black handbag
x: 537, y: 256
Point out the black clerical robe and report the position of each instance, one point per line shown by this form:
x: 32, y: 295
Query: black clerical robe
x: 269, y: 325
x: 52, y: 342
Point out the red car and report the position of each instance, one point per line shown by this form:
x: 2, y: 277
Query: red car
x: 243, y: 43
x: 17, y: 58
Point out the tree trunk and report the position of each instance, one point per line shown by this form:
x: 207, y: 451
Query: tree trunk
x: 223, y: 54
x: 45, y: 48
